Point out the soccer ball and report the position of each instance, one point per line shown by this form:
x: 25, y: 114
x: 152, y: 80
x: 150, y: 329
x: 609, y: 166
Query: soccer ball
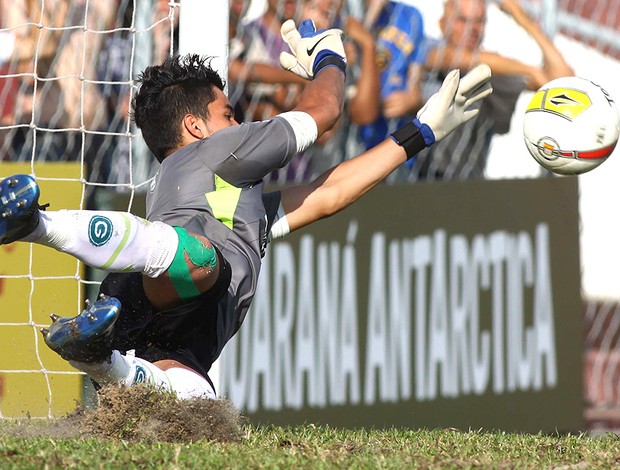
x: 571, y: 126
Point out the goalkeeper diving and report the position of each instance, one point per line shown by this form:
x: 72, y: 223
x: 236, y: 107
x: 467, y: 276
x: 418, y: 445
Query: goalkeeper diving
x: 181, y: 281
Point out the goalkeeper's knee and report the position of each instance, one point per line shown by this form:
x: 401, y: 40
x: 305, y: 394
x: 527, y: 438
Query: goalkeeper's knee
x: 201, y: 255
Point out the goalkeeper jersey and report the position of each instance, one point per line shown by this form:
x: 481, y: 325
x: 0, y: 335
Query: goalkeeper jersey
x: 213, y: 187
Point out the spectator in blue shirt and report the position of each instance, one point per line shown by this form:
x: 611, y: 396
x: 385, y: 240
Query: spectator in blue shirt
x: 399, y: 29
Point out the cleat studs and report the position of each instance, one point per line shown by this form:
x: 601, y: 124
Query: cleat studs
x: 21, y: 204
x: 44, y: 332
x: 7, y: 213
x: 102, y: 296
x: 54, y: 317
x: 91, y: 317
x: 12, y: 182
x: 87, y: 302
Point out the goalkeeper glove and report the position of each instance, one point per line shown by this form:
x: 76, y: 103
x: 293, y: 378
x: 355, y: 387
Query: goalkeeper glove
x: 446, y: 110
x: 311, y: 51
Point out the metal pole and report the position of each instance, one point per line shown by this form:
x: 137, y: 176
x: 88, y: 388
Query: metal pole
x: 549, y: 17
x: 203, y: 29
x: 142, y: 160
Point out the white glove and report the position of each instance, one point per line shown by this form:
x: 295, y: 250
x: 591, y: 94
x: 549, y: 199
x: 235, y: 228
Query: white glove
x: 449, y: 107
x: 311, y: 51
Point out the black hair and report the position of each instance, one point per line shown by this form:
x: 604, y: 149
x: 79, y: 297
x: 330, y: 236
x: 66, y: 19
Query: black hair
x: 180, y: 85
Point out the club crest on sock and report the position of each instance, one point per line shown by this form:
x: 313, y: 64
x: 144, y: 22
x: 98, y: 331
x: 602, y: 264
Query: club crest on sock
x: 140, y: 377
x: 100, y: 230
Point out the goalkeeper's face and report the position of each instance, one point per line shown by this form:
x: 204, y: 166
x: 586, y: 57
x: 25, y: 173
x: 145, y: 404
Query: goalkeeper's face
x: 221, y: 113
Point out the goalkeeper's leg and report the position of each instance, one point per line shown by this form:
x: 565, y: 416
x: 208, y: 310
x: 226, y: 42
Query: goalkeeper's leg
x: 128, y: 371
x: 107, y: 240
x: 86, y: 342
x: 178, y: 266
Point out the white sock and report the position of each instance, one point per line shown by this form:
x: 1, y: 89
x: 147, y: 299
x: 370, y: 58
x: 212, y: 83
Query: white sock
x: 129, y: 370
x: 108, y: 240
x: 187, y: 384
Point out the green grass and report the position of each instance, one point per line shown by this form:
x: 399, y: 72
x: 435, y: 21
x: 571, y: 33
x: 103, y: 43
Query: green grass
x: 321, y: 447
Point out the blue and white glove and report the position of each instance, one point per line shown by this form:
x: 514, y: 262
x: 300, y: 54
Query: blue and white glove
x: 311, y: 51
x: 451, y: 106
x: 447, y: 109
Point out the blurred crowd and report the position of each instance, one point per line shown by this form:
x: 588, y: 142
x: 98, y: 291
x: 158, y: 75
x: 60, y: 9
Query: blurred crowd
x: 66, y: 68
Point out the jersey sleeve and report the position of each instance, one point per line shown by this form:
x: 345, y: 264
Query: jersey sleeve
x: 243, y: 155
x: 277, y: 224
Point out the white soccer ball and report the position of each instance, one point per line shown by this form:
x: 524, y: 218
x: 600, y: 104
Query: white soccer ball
x: 571, y: 126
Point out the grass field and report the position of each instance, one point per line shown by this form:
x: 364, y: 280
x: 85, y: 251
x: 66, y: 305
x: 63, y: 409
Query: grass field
x: 141, y: 427
x: 320, y: 447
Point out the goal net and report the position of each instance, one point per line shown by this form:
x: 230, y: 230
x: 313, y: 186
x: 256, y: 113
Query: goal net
x: 67, y: 74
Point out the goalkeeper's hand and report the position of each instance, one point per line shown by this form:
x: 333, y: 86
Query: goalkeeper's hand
x: 451, y: 106
x: 311, y: 51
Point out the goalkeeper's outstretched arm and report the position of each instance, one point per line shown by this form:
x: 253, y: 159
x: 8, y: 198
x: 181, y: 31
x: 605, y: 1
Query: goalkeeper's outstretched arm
x: 339, y: 187
x: 319, y: 57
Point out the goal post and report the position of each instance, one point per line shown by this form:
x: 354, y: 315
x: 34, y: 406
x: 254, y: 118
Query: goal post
x: 203, y: 29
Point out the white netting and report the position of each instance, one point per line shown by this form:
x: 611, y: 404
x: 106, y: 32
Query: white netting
x: 67, y: 74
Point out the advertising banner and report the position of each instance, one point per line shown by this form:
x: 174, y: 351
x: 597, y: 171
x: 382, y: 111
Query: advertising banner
x: 427, y: 305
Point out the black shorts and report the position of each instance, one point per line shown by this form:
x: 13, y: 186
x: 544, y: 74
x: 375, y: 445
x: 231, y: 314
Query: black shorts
x: 189, y: 334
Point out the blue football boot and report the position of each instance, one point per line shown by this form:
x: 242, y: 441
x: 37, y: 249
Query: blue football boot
x: 19, y: 207
x: 88, y: 336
